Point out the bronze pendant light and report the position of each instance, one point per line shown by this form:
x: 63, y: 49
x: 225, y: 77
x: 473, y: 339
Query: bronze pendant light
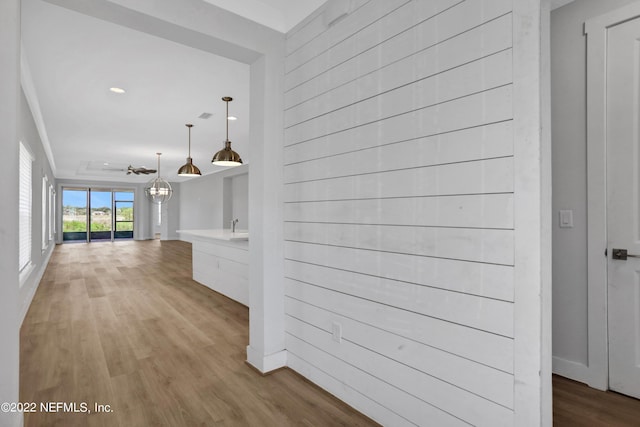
x: 189, y: 169
x: 226, y: 156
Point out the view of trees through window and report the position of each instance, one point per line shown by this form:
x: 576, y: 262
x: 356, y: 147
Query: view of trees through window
x: 100, y: 222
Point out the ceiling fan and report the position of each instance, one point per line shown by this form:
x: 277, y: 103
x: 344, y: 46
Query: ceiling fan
x: 140, y: 170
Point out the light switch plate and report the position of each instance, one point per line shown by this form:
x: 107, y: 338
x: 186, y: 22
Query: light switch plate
x: 566, y: 218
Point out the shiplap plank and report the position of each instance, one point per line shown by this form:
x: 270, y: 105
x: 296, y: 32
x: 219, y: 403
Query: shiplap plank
x: 478, y: 76
x: 492, y: 281
x: 463, y: 113
x: 301, y: 35
x: 470, y: 310
x: 481, y: 142
x: 337, y: 50
x: 343, y: 31
x: 395, y: 399
x: 344, y: 49
x: 484, y: 41
x: 420, y: 19
x: 461, y: 372
x: 480, y: 346
x: 471, y: 211
x: 395, y: 22
x: 483, y: 176
x: 468, y: 244
x: 307, y: 82
x: 388, y: 404
x: 449, y: 398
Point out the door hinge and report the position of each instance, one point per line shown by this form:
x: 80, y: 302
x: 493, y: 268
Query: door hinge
x: 605, y: 251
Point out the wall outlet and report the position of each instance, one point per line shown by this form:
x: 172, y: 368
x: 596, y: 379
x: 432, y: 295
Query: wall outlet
x: 336, y: 332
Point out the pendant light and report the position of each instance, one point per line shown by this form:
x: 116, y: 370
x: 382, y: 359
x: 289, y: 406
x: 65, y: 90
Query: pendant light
x: 189, y: 169
x: 158, y: 190
x: 226, y: 156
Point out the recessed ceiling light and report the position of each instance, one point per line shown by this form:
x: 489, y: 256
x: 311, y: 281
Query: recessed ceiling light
x: 232, y: 118
x: 106, y: 163
x: 117, y: 90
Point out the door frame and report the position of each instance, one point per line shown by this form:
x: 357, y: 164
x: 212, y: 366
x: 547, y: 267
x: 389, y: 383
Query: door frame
x: 595, y: 31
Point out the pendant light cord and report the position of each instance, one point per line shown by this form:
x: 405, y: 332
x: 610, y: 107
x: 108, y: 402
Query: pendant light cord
x: 158, y: 164
x: 227, y: 118
x: 189, y: 140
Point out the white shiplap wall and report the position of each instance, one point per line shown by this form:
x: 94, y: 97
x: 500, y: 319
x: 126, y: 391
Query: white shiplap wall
x: 399, y: 209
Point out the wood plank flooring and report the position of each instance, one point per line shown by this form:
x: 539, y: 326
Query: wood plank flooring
x: 122, y: 324
x: 575, y: 404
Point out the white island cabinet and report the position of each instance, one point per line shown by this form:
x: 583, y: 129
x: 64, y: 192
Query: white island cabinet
x: 221, y: 261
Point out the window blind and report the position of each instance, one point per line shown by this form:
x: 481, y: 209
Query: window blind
x: 24, y: 207
x: 45, y: 212
x: 52, y: 218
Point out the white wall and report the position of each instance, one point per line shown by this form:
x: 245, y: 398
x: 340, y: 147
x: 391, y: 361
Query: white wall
x: 202, y: 200
x: 240, y: 201
x: 171, y: 215
x: 400, y: 193
x: 568, y: 79
x: 9, y: 286
x: 28, y: 134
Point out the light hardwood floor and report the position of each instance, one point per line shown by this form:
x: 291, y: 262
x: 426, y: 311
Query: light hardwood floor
x: 123, y: 324
x: 575, y: 404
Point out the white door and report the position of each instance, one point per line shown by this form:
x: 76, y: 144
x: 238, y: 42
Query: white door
x: 623, y: 206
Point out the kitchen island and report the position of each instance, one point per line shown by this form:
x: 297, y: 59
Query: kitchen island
x: 220, y: 261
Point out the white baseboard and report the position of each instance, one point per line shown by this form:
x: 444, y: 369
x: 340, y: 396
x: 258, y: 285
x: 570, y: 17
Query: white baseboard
x: 266, y: 363
x: 573, y: 370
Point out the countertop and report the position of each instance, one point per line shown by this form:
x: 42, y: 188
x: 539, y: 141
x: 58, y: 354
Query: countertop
x: 217, y: 234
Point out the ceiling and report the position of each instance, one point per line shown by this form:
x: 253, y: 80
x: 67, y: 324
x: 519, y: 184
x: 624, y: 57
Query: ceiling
x: 281, y: 15
x: 71, y: 60
x: 558, y: 3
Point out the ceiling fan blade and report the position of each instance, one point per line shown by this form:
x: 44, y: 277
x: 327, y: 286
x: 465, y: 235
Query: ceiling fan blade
x: 140, y: 170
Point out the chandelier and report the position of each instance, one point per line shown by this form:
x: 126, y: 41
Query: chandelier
x: 158, y: 190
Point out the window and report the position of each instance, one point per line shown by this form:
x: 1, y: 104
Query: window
x: 24, y: 208
x: 123, y: 208
x: 52, y: 212
x: 92, y: 214
x: 45, y: 212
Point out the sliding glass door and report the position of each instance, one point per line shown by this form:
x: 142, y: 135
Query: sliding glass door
x: 101, y: 218
x: 123, y: 207
x: 74, y: 214
x: 88, y: 214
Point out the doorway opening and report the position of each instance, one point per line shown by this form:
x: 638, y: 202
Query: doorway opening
x: 90, y: 214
